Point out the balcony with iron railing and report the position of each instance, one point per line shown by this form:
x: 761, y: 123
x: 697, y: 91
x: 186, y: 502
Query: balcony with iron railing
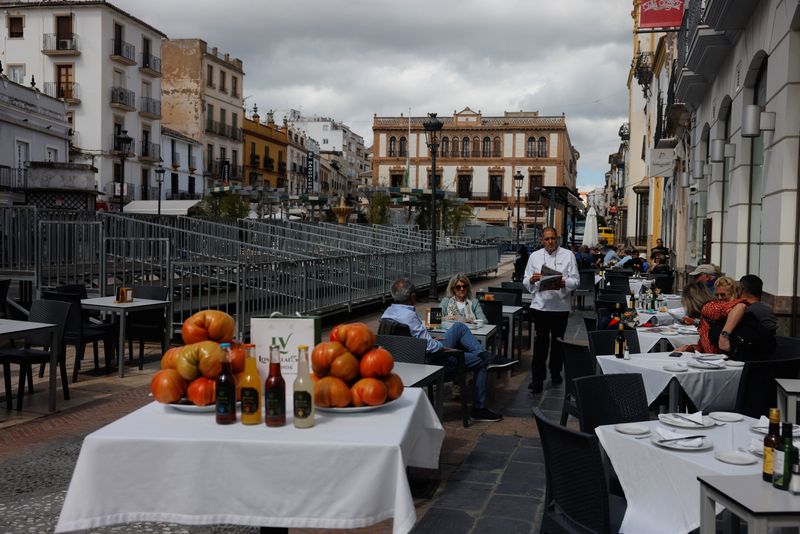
x: 56, y: 44
x: 708, y: 47
x: 147, y: 192
x: 175, y: 160
x: 170, y: 194
x: 13, y: 178
x: 69, y: 92
x: 690, y: 86
x: 192, y: 163
x: 123, y: 52
x: 255, y: 160
x: 123, y: 99
x: 117, y: 147
x: 150, y: 64
x: 150, y: 107
x: 112, y: 189
x: 149, y: 151
x: 269, y: 164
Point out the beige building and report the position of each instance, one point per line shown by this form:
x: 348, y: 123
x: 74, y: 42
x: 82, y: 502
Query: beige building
x: 202, y: 98
x: 478, y: 158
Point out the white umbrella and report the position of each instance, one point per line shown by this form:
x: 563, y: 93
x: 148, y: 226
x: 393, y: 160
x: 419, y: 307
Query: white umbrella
x: 590, y: 229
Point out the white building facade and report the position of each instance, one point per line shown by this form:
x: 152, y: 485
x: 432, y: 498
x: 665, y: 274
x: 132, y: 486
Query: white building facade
x: 183, y: 165
x: 105, y: 64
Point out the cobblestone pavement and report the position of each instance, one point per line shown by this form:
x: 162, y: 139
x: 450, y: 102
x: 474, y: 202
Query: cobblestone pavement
x: 491, y: 477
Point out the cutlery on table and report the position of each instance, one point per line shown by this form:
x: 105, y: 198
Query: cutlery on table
x: 680, y: 438
x: 684, y: 418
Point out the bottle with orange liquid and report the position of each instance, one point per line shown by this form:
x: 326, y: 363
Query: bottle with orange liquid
x: 251, y: 388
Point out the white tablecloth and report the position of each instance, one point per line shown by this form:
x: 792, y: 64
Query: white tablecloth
x: 348, y: 471
x: 663, y: 318
x: 637, y: 283
x: 648, y: 337
x: 672, y: 301
x: 709, y: 389
x: 661, y: 485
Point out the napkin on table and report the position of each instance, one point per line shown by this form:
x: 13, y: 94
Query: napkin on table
x: 763, y: 422
x: 663, y: 433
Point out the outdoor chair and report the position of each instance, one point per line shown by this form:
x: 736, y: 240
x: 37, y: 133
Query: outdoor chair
x: 146, y: 325
x: 577, y: 499
x: 590, y: 323
x: 79, y: 334
x: 609, y: 291
x: 578, y: 362
x: 493, y: 310
x: 392, y: 327
x: 501, y: 292
x: 757, y: 388
x: 786, y: 348
x: 611, y: 399
x: 586, y: 287
x: 513, y: 285
x: 42, y: 311
x: 617, y: 282
x: 604, y: 342
x: 663, y: 282
x: 4, y: 285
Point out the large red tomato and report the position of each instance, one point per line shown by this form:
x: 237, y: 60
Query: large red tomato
x: 394, y: 386
x: 167, y: 386
x: 202, y: 391
x: 369, y: 391
x: 208, y: 324
x: 332, y: 392
x: 345, y: 366
x: 357, y: 337
x: 169, y: 357
x: 377, y: 362
x: 323, y: 355
x: 334, y: 335
x: 204, y: 357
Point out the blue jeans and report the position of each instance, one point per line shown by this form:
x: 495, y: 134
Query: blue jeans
x: 459, y: 337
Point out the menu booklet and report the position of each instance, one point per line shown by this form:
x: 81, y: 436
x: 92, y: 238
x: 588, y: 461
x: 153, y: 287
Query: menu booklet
x: 550, y: 280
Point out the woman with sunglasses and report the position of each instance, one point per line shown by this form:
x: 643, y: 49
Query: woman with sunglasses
x: 459, y: 304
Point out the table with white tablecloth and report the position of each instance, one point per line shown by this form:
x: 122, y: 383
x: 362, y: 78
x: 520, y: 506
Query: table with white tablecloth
x: 661, y: 485
x: 708, y: 389
x: 636, y: 284
x: 649, y: 337
x: 661, y: 317
x: 348, y: 471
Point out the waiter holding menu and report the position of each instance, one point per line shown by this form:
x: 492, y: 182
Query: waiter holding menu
x: 551, y: 276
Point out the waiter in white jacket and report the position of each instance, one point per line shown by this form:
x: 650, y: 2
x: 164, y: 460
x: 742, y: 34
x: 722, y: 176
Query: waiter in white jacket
x: 550, y: 305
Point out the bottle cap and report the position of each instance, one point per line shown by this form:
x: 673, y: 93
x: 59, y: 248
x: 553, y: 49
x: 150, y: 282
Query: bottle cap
x: 225, y: 345
x: 302, y: 347
x: 249, y: 345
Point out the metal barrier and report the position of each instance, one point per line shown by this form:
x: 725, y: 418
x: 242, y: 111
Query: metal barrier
x: 69, y: 252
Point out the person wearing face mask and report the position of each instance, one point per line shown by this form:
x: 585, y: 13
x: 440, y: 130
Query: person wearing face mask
x: 520, y: 263
x: 550, y: 305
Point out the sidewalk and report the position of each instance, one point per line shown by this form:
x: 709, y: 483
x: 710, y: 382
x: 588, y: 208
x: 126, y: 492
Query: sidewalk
x: 491, y: 476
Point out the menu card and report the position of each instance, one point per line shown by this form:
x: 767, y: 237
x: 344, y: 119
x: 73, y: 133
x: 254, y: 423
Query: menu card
x: 550, y: 280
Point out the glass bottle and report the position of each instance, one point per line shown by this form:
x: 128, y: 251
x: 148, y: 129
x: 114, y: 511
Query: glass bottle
x: 771, y: 441
x: 782, y: 459
x: 225, y: 403
x: 251, y: 388
x: 620, y: 341
x: 303, y: 391
x: 275, y: 390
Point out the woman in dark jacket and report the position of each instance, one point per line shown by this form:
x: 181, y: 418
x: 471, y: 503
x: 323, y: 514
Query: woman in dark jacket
x: 520, y: 263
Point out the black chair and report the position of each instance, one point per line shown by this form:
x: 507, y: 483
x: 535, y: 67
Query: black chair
x: 757, y: 387
x: 456, y: 374
x: 577, y: 499
x: 513, y: 285
x: 610, y: 399
x: 411, y: 350
x: 501, y: 292
x: 79, y: 334
x: 608, y: 297
x: 603, y: 342
x: 608, y: 291
x: 578, y: 362
x: 590, y: 323
x: 586, y: 286
x: 786, y: 348
x: 42, y: 311
x: 4, y: 285
x: 619, y: 283
x: 76, y: 289
x: 493, y: 310
x: 146, y: 325
x: 663, y: 282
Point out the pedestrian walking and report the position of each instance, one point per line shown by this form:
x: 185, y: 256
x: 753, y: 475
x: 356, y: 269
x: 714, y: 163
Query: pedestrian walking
x: 551, y: 276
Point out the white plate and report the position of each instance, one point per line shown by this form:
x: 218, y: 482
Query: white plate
x: 675, y: 368
x: 473, y: 326
x: 763, y: 430
x: 355, y: 409
x: 709, y: 357
x: 735, y: 457
x: 705, y: 365
x: 676, y: 446
x: 726, y: 417
x: 632, y: 429
x: 734, y: 363
x: 687, y: 330
x: 192, y: 408
x: 667, y: 419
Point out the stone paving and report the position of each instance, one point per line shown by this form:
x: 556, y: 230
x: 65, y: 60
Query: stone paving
x: 491, y: 477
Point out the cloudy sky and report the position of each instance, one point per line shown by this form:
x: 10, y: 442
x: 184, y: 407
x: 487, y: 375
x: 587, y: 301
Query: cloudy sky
x: 351, y: 59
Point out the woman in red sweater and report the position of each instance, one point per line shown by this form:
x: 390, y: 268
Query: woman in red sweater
x: 700, y: 304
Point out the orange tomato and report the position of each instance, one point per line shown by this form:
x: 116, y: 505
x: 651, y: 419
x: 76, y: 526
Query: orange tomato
x: 168, y: 359
x: 323, y: 355
x: 345, y: 366
x: 394, y: 386
x: 375, y: 363
x: 357, y: 337
x: 369, y: 391
x: 167, y: 386
x: 211, y: 325
x: 202, y: 391
x: 332, y: 392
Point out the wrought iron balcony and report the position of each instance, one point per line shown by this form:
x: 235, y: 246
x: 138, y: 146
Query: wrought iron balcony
x: 55, y: 44
x: 149, y: 151
x: 192, y: 163
x: 13, y: 178
x: 117, y: 147
x: 175, y: 160
x: 122, y: 98
x: 150, y: 107
x: 150, y: 64
x: 69, y: 92
x: 123, y: 52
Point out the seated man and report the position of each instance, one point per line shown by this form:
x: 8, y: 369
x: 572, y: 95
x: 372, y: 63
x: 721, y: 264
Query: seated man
x: 457, y: 336
x: 706, y: 273
x: 610, y: 257
x: 624, y: 262
x: 637, y: 263
x: 749, y: 332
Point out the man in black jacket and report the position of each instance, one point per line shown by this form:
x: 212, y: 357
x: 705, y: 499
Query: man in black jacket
x: 749, y: 332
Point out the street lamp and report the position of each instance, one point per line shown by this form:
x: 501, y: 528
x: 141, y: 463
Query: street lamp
x: 518, y: 178
x: 123, y: 146
x: 160, y: 180
x: 432, y: 128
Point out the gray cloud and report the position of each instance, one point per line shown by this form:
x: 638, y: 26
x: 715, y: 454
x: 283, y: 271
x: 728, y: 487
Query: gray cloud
x: 350, y: 59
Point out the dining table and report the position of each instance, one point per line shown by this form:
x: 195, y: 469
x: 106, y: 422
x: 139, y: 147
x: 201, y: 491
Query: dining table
x: 514, y: 315
x: 710, y: 388
x: 419, y: 375
x: 11, y: 329
x: 675, y: 336
x: 162, y: 464
x: 122, y: 309
x: 483, y: 333
x: 660, y: 484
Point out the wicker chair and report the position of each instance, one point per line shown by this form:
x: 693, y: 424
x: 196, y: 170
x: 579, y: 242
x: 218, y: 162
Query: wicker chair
x: 757, y: 387
x: 610, y: 399
x: 147, y: 325
x: 578, y: 362
x: 603, y: 342
x: 576, y: 496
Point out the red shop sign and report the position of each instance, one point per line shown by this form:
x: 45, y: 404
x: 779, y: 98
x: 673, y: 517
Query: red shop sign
x: 661, y: 13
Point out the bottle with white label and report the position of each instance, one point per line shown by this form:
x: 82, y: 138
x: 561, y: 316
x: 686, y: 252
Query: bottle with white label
x: 303, y: 392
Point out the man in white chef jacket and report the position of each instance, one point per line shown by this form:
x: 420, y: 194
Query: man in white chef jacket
x: 550, y: 305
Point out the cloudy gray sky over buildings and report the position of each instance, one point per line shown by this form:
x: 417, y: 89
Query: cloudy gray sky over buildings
x: 350, y: 59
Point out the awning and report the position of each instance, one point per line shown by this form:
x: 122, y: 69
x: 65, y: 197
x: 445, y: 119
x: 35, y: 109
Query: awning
x: 168, y: 207
x: 493, y: 215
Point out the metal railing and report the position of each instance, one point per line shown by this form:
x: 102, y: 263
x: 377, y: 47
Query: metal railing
x: 122, y: 96
x: 67, y: 91
x: 149, y: 61
x: 149, y: 150
x: 120, y: 48
x: 54, y: 42
x: 150, y: 105
x: 13, y: 178
x: 69, y: 252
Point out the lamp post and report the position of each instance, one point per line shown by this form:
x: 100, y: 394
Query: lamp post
x: 518, y: 179
x: 432, y: 128
x: 160, y: 180
x: 123, y: 142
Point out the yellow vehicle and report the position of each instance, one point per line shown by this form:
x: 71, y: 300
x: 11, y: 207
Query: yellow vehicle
x: 605, y: 233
